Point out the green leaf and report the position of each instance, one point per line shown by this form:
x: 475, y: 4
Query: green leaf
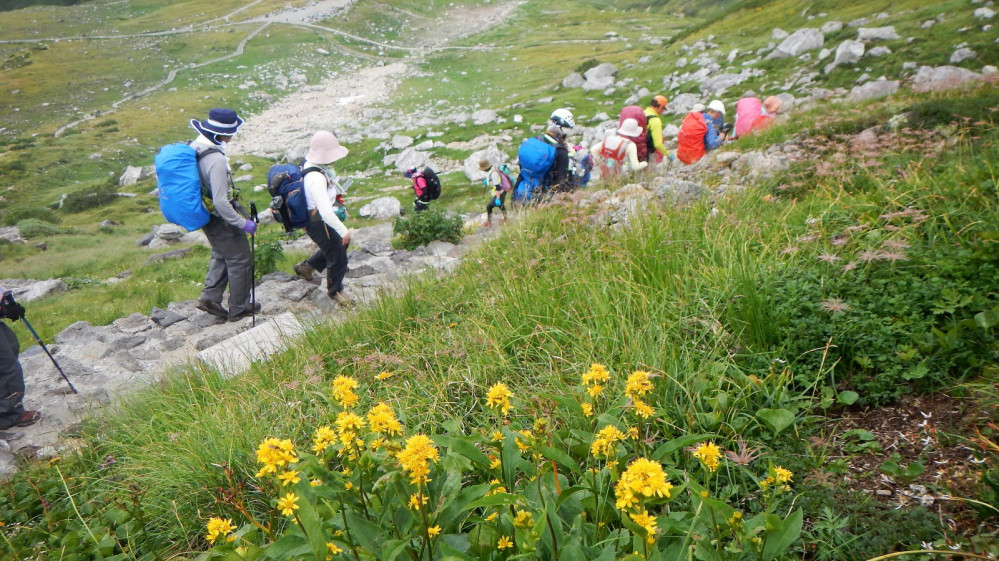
x: 367, y: 534
x: 393, y: 548
x: 776, y: 419
x: 310, y: 519
x: 560, y: 457
x: 493, y: 500
x: 916, y: 372
x: 464, y: 447
x: 782, y: 534
x: 987, y: 319
x: 680, y: 443
x: 848, y: 397
x: 287, y: 547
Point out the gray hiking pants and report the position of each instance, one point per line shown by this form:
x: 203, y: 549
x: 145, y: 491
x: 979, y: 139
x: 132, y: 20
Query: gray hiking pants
x: 231, y: 264
x: 11, y: 378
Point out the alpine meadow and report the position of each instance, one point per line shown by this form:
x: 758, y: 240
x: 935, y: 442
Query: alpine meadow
x: 775, y: 341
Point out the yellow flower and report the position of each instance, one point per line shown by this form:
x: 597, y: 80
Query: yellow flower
x: 603, y: 442
x: 315, y: 482
x: 288, y: 504
x: 633, y: 433
x: 498, y: 487
x: 499, y: 397
x: 415, y: 456
x: 783, y: 475
x: 497, y: 436
x: 642, y: 409
x: 766, y: 483
x: 383, y: 376
x: 343, y: 390
x: 523, y: 519
x: 348, y: 485
x: 494, y: 462
x: 275, y: 453
x: 596, y: 374
x: 323, y: 438
x: 415, y: 500
x: 587, y: 410
x: 289, y: 477
x: 492, y: 517
x: 347, y: 422
x: 382, y: 420
x: 648, y: 523
x: 644, y: 478
x: 433, y: 531
x: 331, y: 550
x: 503, y: 543
x: 708, y: 454
x: 217, y: 527
x: 638, y: 384
x: 595, y: 390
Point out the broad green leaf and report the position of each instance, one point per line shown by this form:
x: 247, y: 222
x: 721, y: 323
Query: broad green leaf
x: 393, y: 548
x: 781, y: 535
x: 848, y: 397
x: 680, y: 443
x: 310, y: 520
x: 987, y: 319
x: 560, y: 457
x: 366, y: 534
x: 287, y: 547
x: 916, y: 372
x: 776, y: 419
x: 493, y: 500
x: 464, y: 447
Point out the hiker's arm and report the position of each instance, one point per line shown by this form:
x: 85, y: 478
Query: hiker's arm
x: 561, y: 167
x: 217, y: 169
x: 632, y: 152
x: 595, y: 150
x: 315, y: 190
x: 712, y: 138
x: 420, y: 186
x: 656, y: 130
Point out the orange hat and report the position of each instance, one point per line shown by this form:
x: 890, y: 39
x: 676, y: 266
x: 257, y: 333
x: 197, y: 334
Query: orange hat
x: 772, y: 104
x: 660, y: 101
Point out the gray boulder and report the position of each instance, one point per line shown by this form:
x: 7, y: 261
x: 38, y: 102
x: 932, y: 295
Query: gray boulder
x: 941, y: 78
x: 879, y: 51
x: 471, y: 165
x: 170, y: 232
x: 778, y: 34
x: 848, y: 52
x: 984, y: 13
x: 831, y: 27
x: 961, y: 55
x: 411, y: 158
x: 11, y: 234
x: 400, y: 141
x: 599, y: 77
x: 799, y: 42
x: 381, y: 208
x: 36, y: 290
x: 484, y: 116
x: 873, y: 90
x: 574, y: 80
x: 886, y: 33
x: 130, y: 176
x: 681, y: 104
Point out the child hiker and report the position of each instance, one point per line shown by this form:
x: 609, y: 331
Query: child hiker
x: 501, y: 185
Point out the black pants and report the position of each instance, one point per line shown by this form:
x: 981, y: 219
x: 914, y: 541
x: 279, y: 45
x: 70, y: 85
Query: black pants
x: 421, y: 203
x: 11, y: 378
x: 332, y: 255
x: 492, y: 204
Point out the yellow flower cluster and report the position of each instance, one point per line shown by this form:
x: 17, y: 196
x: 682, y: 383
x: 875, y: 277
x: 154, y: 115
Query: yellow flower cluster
x: 343, y: 391
x: 499, y: 397
x: 639, y: 383
x: 383, y: 376
x: 648, y: 523
x: 331, y: 550
x: 780, y: 476
x: 322, y: 439
x: 382, y: 420
x: 218, y: 527
x: 415, y: 457
x: 709, y: 455
x: 274, y: 453
x: 643, y: 479
x: 594, y: 380
x: 603, y: 441
x: 416, y: 500
x: 523, y: 519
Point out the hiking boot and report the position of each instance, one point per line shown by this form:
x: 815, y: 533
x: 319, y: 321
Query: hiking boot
x: 213, y: 308
x: 304, y: 270
x: 246, y: 313
x: 342, y: 299
x: 26, y: 419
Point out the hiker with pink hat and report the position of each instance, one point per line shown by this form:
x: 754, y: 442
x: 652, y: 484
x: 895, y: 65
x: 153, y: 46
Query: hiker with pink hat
x: 618, y: 153
x: 229, y: 224
x: 753, y: 115
x: 323, y: 193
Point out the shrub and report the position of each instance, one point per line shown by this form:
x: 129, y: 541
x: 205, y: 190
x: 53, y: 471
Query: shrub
x: 89, y: 197
x: 15, y: 215
x: 266, y: 258
x: 977, y: 111
x: 424, y: 227
x: 35, y: 228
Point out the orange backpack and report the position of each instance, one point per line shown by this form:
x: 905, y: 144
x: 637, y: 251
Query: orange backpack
x: 690, y: 147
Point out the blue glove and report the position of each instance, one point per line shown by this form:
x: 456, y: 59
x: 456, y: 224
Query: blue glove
x: 250, y: 227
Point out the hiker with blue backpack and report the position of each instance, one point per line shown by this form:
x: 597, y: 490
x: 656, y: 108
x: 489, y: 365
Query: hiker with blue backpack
x: 228, y: 224
x: 544, y: 160
x: 323, y: 195
x: 497, y: 177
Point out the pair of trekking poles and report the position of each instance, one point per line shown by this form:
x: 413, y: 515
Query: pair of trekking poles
x: 8, y: 300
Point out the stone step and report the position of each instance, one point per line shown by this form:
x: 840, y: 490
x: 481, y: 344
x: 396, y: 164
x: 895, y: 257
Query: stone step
x: 235, y: 355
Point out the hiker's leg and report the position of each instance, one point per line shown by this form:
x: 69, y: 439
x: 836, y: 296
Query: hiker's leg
x: 233, y: 244
x: 317, y: 261
x: 334, y: 253
x: 217, y: 277
x: 11, y: 377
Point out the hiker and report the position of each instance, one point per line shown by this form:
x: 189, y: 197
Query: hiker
x: 753, y: 115
x: 641, y: 140
x: 618, y: 153
x: 580, y: 165
x: 714, y: 117
x: 322, y: 194
x: 499, y: 179
x: 544, y: 160
x: 12, y: 411
x: 426, y: 187
x: 231, y: 262
x: 654, y: 129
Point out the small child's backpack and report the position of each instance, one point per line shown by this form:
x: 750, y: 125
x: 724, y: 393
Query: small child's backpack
x: 287, y: 189
x: 179, y: 185
x: 506, y: 183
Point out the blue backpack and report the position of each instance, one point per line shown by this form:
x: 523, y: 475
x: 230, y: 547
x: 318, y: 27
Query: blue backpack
x: 536, y: 158
x: 287, y: 189
x: 179, y: 185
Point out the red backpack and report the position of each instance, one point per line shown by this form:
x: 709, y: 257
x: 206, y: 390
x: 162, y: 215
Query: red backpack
x: 690, y: 140
x: 638, y: 114
x: 612, y: 160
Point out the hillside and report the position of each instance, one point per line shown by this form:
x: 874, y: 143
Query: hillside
x: 817, y: 301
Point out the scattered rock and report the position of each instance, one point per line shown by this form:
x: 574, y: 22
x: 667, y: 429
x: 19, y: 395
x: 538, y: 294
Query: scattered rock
x: 873, y: 90
x: 941, y: 78
x: 886, y: 33
x: 381, y: 208
x: 961, y: 55
x: 799, y: 42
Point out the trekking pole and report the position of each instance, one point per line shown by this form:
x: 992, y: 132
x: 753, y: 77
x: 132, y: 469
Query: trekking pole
x: 253, y: 267
x: 46, y: 349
